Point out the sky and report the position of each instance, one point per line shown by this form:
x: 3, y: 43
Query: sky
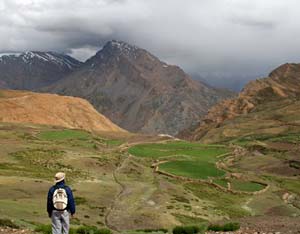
x: 224, y: 42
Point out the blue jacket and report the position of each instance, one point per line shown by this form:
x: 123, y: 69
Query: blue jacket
x: 71, y: 202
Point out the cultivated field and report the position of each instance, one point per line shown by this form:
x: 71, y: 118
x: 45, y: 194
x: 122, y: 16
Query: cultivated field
x: 117, y: 187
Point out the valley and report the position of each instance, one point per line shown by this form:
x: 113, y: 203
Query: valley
x: 117, y: 186
x: 163, y: 117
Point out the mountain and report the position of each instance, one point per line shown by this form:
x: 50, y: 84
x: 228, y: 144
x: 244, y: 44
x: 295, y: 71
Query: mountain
x: 139, y: 92
x: 51, y: 109
x: 32, y: 70
x: 265, y: 107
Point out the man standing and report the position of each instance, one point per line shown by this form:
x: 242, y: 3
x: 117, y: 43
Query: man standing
x: 60, y: 204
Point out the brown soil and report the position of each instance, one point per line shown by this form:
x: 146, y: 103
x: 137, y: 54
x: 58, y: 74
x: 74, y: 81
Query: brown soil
x: 50, y: 109
x: 6, y: 230
x: 271, y: 224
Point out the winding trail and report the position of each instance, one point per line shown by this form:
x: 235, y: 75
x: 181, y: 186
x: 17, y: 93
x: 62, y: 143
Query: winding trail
x: 117, y: 197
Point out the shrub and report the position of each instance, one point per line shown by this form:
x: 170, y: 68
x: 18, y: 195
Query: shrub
x: 186, y: 230
x: 8, y: 223
x: 153, y: 230
x: 80, y: 200
x: 92, y: 230
x: 225, y: 227
x: 45, y: 229
x: 104, y: 231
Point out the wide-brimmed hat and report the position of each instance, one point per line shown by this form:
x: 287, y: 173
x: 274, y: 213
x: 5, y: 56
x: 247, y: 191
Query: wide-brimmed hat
x: 59, y: 176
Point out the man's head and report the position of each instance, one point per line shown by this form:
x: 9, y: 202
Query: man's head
x: 59, y: 176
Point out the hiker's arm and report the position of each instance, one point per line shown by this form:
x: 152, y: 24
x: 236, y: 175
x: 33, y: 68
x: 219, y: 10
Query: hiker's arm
x: 71, y: 202
x: 49, y: 203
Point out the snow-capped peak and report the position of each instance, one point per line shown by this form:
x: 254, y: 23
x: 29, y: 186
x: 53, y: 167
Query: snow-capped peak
x: 29, y: 56
x: 121, y: 47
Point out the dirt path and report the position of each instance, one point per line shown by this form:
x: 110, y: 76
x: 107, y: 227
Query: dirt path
x: 117, y: 197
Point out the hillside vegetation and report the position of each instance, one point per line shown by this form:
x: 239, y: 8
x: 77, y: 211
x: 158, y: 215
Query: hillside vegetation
x: 117, y: 187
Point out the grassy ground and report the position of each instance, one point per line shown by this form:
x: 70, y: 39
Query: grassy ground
x: 246, y: 186
x: 192, y: 169
x: 118, y: 189
x: 198, y: 160
x: 199, y: 151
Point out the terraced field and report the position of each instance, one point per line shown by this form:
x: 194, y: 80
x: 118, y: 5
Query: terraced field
x: 238, y: 185
x: 195, y: 161
x: 184, y: 158
x: 115, y: 186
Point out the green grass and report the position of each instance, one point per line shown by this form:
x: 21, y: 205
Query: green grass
x: 64, y: 135
x: 113, y: 142
x: 240, y: 185
x: 246, y: 186
x: 292, y: 185
x: 289, y: 138
x: 77, y: 138
x: 39, y: 163
x: 46, y: 229
x: 199, y: 160
x: 8, y: 223
x: 221, y: 182
x: 202, y: 152
x: 224, y: 228
x: 187, y: 230
x: 192, y: 169
x: 223, y: 202
x: 189, y: 220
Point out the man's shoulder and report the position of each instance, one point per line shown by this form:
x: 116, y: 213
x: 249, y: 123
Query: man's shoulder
x: 51, y: 189
x: 67, y: 188
x: 54, y: 187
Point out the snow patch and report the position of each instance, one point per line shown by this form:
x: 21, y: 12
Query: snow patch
x: 124, y: 48
x: 28, y: 56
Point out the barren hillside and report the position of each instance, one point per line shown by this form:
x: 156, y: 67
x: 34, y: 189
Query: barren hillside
x: 51, y: 109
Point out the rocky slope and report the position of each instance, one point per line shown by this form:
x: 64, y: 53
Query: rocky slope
x: 270, y: 103
x: 32, y: 70
x: 51, y: 109
x: 139, y: 92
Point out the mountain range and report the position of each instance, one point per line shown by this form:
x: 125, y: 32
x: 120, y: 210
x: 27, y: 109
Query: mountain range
x: 31, y: 70
x: 127, y: 84
x: 265, y: 107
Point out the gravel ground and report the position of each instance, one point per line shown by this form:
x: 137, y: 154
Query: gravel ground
x: 14, y: 231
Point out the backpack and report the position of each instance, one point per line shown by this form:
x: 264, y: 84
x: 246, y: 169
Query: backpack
x: 60, y: 199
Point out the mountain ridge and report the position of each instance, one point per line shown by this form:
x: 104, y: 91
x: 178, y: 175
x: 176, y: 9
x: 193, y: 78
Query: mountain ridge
x: 137, y: 91
x: 281, y: 87
x: 34, y: 69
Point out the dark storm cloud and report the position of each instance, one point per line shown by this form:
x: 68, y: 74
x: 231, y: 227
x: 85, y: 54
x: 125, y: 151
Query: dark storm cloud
x: 255, y: 23
x: 218, y: 39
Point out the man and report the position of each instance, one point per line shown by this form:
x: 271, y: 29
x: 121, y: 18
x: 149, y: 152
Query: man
x: 60, y: 204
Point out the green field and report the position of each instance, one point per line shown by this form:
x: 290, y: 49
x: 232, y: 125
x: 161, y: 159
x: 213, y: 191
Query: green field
x: 192, y: 169
x: 178, y: 148
x: 199, y: 160
x: 222, y: 182
x: 246, y: 186
x: 240, y: 185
